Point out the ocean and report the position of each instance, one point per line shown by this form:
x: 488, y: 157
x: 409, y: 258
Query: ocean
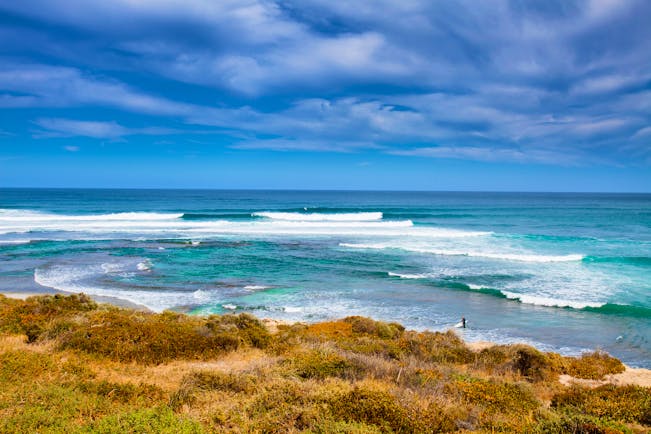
x: 563, y: 272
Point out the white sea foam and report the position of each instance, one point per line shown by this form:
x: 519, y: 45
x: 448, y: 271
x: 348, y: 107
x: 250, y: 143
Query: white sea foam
x: 255, y: 287
x: 80, y: 279
x: 524, y: 257
x: 303, y: 217
x: 146, y: 225
x: 201, y: 295
x: 145, y: 265
x: 155, y: 225
x: 292, y: 309
x: 229, y: 306
x: 550, y: 301
x: 35, y: 216
x: 408, y: 276
x: 111, y: 267
x: 12, y: 242
x: 473, y: 286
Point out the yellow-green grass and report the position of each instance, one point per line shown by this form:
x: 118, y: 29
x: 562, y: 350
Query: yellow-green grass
x: 70, y: 365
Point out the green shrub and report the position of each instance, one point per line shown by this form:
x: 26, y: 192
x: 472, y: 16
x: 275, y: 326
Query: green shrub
x: 47, y: 407
x: 283, y: 407
x: 249, y: 329
x: 361, y: 326
x: 373, y: 407
x: 436, y: 347
x: 329, y: 426
x: 124, y: 393
x: 523, y: 360
x: 33, y: 315
x: 576, y: 424
x: 156, y: 420
x: 321, y: 364
x: 495, y: 396
x: 15, y: 366
x: 126, y: 336
x: 203, y: 381
x: 593, y: 366
x: 624, y: 403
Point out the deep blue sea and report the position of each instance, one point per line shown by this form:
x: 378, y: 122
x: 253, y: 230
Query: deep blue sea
x: 563, y: 272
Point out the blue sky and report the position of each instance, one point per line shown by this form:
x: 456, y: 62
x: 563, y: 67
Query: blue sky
x: 321, y: 94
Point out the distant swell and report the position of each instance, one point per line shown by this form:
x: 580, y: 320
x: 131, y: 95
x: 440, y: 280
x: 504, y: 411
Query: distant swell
x: 216, y: 216
x: 529, y: 257
x: 311, y: 217
x: 550, y: 301
x: 622, y: 310
x: 640, y: 261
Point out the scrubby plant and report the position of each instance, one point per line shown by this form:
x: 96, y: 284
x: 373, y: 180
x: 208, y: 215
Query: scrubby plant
x: 156, y: 420
x: 125, y: 335
x: 322, y: 363
x: 248, y: 328
x: 624, y: 403
x: 523, y: 360
x: 437, y: 347
x: 593, y: 366
x: 125, y: 393
x: 366, y: 326
x: 553, y: 423
x: 92, y: 368
x: 495, y: 396
x: 32, y: 316
x: 373, y: 407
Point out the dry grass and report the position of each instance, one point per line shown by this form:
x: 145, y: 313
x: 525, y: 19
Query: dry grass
x: 89, y: 368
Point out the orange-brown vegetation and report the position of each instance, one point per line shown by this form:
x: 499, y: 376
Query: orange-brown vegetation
x: 70, y: 365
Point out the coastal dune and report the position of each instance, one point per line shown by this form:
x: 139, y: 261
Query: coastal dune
x: 103, y: 368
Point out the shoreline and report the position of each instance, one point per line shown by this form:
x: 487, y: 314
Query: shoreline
x: 631, y: 375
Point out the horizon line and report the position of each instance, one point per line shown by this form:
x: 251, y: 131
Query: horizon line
x: 327, y: 190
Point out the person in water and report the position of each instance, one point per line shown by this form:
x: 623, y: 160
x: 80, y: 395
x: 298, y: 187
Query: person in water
x: 463, y: 322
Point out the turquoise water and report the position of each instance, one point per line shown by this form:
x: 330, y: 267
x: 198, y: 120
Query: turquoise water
x: 564, y: 272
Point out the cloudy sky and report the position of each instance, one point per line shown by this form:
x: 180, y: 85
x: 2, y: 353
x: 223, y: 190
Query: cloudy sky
x: 415, y: 95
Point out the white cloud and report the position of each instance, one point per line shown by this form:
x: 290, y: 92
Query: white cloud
x: 52, y: 86
x: 96, y: 129
x: 521, y: 81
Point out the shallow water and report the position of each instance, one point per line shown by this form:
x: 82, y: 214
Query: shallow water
x: 565, y: 272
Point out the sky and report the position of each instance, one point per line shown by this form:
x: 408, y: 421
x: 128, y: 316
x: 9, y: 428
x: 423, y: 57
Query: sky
x: 318, y: 94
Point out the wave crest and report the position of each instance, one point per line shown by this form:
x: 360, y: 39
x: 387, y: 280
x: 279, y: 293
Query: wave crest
x: 304, y: 217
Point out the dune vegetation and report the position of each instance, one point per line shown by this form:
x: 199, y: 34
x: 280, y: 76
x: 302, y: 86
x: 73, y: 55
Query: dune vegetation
x: 70, y: 365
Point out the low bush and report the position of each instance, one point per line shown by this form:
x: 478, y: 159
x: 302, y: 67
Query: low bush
x: 575, y: 424
x: 127, y: 336
x: 366, y: 326
x: 354, y: 375
x: 124, y: 393
x: 373, y: 407
x: 495, y: 396
x: 322, y: 363
x: 283, y: 406
x: 437, y: 347
x: 593, y: 366
x: 624, y: 403
x: 33, y: 315
x: 155, y: 420
x: 17, y: 365
x: 523, y: 360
